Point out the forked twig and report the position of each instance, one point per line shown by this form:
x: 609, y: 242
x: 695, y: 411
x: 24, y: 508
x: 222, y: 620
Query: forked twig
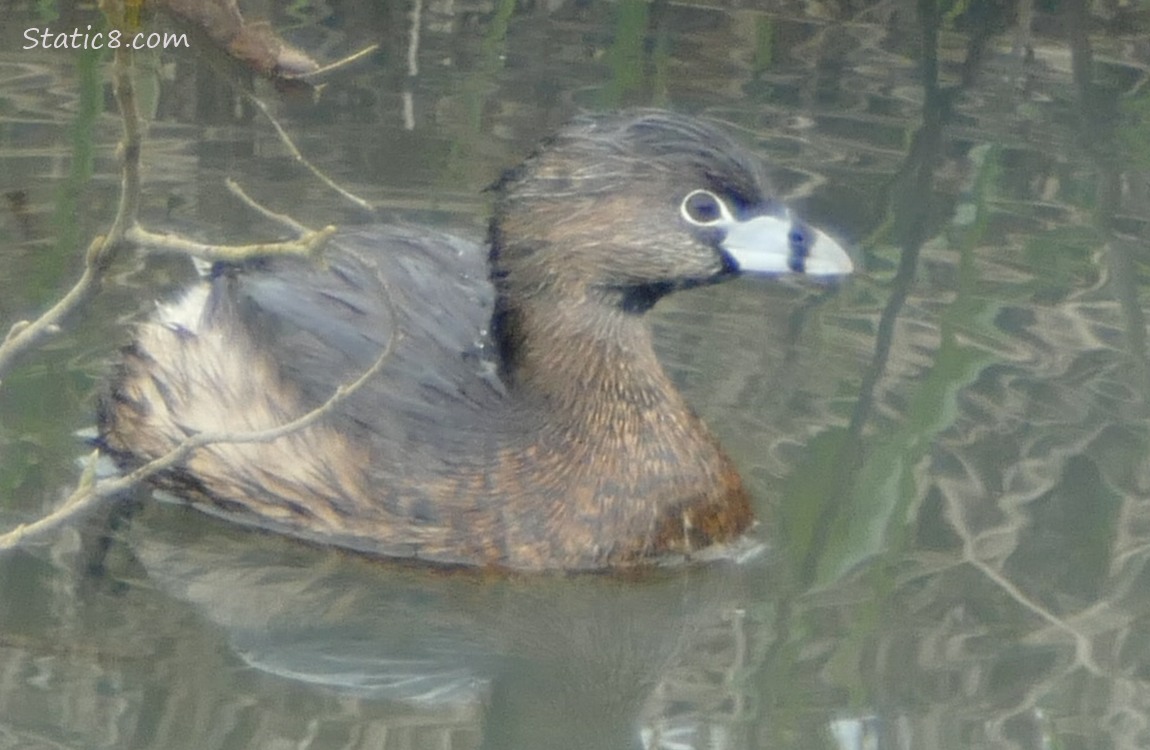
x: 24, y: 335
x: 101, y: 252
x: 89, y: 493
x: 309, y: 245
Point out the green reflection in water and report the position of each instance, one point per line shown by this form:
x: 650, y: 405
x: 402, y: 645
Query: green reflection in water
x: 66, y: 217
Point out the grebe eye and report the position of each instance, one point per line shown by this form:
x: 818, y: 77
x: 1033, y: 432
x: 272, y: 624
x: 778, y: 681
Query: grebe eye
x: 704, y: 208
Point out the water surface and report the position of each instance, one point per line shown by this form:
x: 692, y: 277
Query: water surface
x: 949, y: 454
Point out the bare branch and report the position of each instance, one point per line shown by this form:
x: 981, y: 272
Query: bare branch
x: 287, y: 221
x: 310, y: 75
x: 89, y: 493
x: 26, y: 334
x: 128, y: 209
x: 299, y: 157
x: 125, y: 229
x: 308, y: 246
x: 102, y: 250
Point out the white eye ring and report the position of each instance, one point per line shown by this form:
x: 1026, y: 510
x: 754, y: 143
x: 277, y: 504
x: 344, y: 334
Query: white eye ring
x: 705, y: 209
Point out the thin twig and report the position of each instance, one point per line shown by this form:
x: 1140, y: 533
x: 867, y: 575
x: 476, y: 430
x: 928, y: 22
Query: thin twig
x: 299, y: 157
x: 26, y: 334
x: 287, y: 221
x: 337, y: 64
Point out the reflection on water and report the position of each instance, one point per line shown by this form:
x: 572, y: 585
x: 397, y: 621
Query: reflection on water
x: 522, y: 662
x: 950, y: 453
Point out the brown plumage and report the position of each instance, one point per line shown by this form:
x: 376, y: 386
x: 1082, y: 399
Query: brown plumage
x: 522, y: 421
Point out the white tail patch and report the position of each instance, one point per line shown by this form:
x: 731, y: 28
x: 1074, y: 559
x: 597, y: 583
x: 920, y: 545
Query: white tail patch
x: 186, y: 313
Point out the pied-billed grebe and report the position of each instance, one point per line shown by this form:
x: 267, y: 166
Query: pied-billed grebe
x: 522, y: 419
